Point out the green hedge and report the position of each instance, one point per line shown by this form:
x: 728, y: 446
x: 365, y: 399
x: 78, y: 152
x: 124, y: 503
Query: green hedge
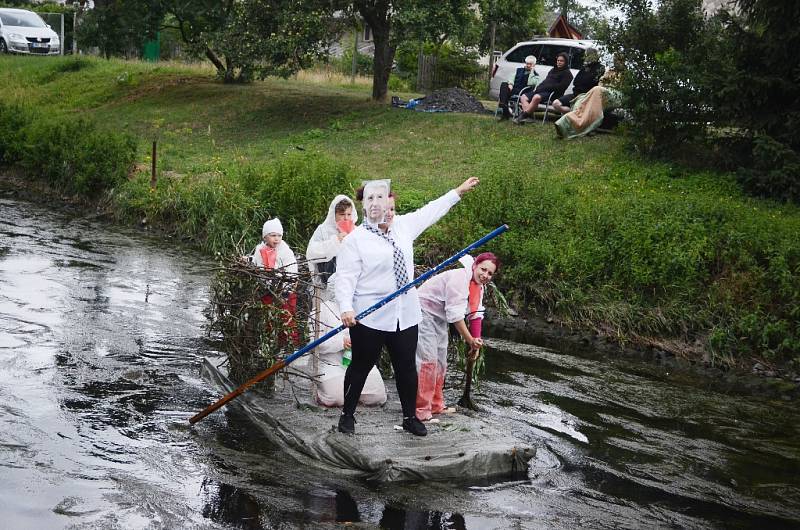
x: 224, y: 210
x: 73, y: 154
x: 686, y: 257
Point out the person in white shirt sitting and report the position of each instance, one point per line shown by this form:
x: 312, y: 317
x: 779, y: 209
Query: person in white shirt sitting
x: 376, y: 259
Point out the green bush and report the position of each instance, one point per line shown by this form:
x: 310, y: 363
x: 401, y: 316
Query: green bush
x: 75, y: 156
x: 225, y: 210
x: 630, y: 251
x: 14, y: 118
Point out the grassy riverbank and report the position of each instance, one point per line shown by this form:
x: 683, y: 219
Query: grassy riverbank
x: 600, y: 239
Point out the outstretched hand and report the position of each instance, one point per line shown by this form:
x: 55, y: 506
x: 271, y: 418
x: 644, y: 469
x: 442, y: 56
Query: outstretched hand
x: 467, y: 185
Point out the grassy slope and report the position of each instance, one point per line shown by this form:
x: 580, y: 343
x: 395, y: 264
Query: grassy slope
x: 586, y: 185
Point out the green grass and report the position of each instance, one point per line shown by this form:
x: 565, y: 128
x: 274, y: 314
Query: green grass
x: 636, y: 249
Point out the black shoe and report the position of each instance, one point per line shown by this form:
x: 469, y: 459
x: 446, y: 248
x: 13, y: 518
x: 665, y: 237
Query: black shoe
x: 504, y: 116
x: 347, y: 424
x: 414, y: 426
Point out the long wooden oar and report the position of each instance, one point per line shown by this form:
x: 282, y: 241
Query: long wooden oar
x: 313, y: 344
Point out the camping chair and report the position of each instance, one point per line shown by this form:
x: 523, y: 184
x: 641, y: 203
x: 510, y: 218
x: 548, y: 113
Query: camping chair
x: 513, y: 103
x: 546, y: 107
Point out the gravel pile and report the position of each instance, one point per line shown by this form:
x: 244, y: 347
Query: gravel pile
x: 451, y: 100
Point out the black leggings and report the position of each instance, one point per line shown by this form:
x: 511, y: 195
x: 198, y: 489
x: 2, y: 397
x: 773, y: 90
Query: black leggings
x: 367, y: 345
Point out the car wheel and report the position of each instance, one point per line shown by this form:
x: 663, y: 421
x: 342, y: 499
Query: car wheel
x: 3, y: 47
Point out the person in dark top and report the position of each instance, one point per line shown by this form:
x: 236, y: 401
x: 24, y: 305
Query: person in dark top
x: 588, y: 77
x: 521, y: 78
x: 556, y: 82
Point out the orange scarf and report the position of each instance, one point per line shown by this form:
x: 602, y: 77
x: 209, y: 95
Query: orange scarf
x: 268, y: 256
x: 474, y: 297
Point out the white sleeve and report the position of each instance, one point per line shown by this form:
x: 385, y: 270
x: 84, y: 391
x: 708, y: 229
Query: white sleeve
x: 417, y: 222
x: 322, y: 250
x: 256, y: 257
x: 348, y: 270
x: 286, y: 259
x: 456, y: 293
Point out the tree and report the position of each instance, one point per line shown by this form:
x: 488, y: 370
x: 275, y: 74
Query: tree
x: 514, y: 21
x: 247, y: 39
x: 666, y: 60
x: 588, y: 19
x: 119, y: 27
x: 759, y: 90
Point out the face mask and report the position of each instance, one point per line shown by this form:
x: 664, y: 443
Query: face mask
x: 376, y: 201
x: 345, y: 225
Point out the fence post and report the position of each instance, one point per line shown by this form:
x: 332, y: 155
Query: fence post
x: 355, y: 57
x: 153, y: 176
x: 61, y: 40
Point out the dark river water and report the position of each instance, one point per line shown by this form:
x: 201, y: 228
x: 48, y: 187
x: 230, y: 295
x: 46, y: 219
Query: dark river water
x: 101, y: 339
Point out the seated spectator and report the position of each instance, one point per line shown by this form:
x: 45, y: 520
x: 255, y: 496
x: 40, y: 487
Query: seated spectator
x: 555, y: 84
x: 521, y: 78
x: 588, y: 77
x: 587, y: 112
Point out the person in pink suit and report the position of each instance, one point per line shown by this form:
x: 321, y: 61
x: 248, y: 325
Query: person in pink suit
x: 451, y: 297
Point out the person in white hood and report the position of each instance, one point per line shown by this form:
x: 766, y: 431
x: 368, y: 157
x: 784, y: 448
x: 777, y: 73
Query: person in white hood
x: 327, y: 238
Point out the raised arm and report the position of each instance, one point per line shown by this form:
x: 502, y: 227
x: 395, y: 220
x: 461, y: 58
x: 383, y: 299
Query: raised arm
x: 418, y: 221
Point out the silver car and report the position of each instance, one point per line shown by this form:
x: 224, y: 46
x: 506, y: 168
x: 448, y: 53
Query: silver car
x: 23, y: 31
x: 545, y: 50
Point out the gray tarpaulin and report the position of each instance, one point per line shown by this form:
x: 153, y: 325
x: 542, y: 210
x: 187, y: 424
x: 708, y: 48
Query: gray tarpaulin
x: 460, y: 447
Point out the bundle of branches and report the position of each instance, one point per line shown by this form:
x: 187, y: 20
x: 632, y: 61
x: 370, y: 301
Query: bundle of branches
x: 250, y: 308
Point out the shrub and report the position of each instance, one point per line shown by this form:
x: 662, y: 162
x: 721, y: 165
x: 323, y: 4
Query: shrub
x: 14, y: 118
x: 226, y: 209
x: 75, y: 156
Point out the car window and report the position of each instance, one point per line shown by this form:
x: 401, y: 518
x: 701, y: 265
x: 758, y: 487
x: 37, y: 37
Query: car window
x: 548, y: 53
x: 518, y: 54
x: 576, y: 59
x: 24, y: 20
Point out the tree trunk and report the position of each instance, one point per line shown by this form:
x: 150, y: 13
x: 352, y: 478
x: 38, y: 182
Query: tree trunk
x: 214, y: 58
x: 377, y: 13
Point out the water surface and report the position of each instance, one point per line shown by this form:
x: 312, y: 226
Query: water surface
x: 101, y: 338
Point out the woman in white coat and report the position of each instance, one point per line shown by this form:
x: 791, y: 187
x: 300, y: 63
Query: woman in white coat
x: 376, y: 259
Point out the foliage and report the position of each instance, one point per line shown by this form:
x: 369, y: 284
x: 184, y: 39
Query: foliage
x: 454, y: 66
x: 72, y: 154
x: 256, y: 332
x: 665, y: 54
x: 14, y: 118
x: 344, y: 64
x: 225, y: 209
x: 421, y: 21
x: 252, y: 39
x: 694, y: 84
x: 118, y: 27
x: 514, y: 20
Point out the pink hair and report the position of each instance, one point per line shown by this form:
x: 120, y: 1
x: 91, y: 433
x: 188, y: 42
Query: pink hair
x: 487, y: 256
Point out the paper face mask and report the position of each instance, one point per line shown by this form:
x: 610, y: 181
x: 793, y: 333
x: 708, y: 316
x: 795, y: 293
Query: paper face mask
x: 376, y: 201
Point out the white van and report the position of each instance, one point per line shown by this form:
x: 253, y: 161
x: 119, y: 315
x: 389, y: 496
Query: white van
x: 545, y: 50
x: 23, y: 31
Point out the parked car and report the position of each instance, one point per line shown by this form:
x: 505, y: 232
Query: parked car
x: 545, y: 50
x: 23, y: 31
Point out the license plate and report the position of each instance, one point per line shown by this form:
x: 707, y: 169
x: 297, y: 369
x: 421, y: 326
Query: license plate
x: 40, y: 45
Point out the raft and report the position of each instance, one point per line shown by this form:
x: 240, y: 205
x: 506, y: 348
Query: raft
x: 464, y: 447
